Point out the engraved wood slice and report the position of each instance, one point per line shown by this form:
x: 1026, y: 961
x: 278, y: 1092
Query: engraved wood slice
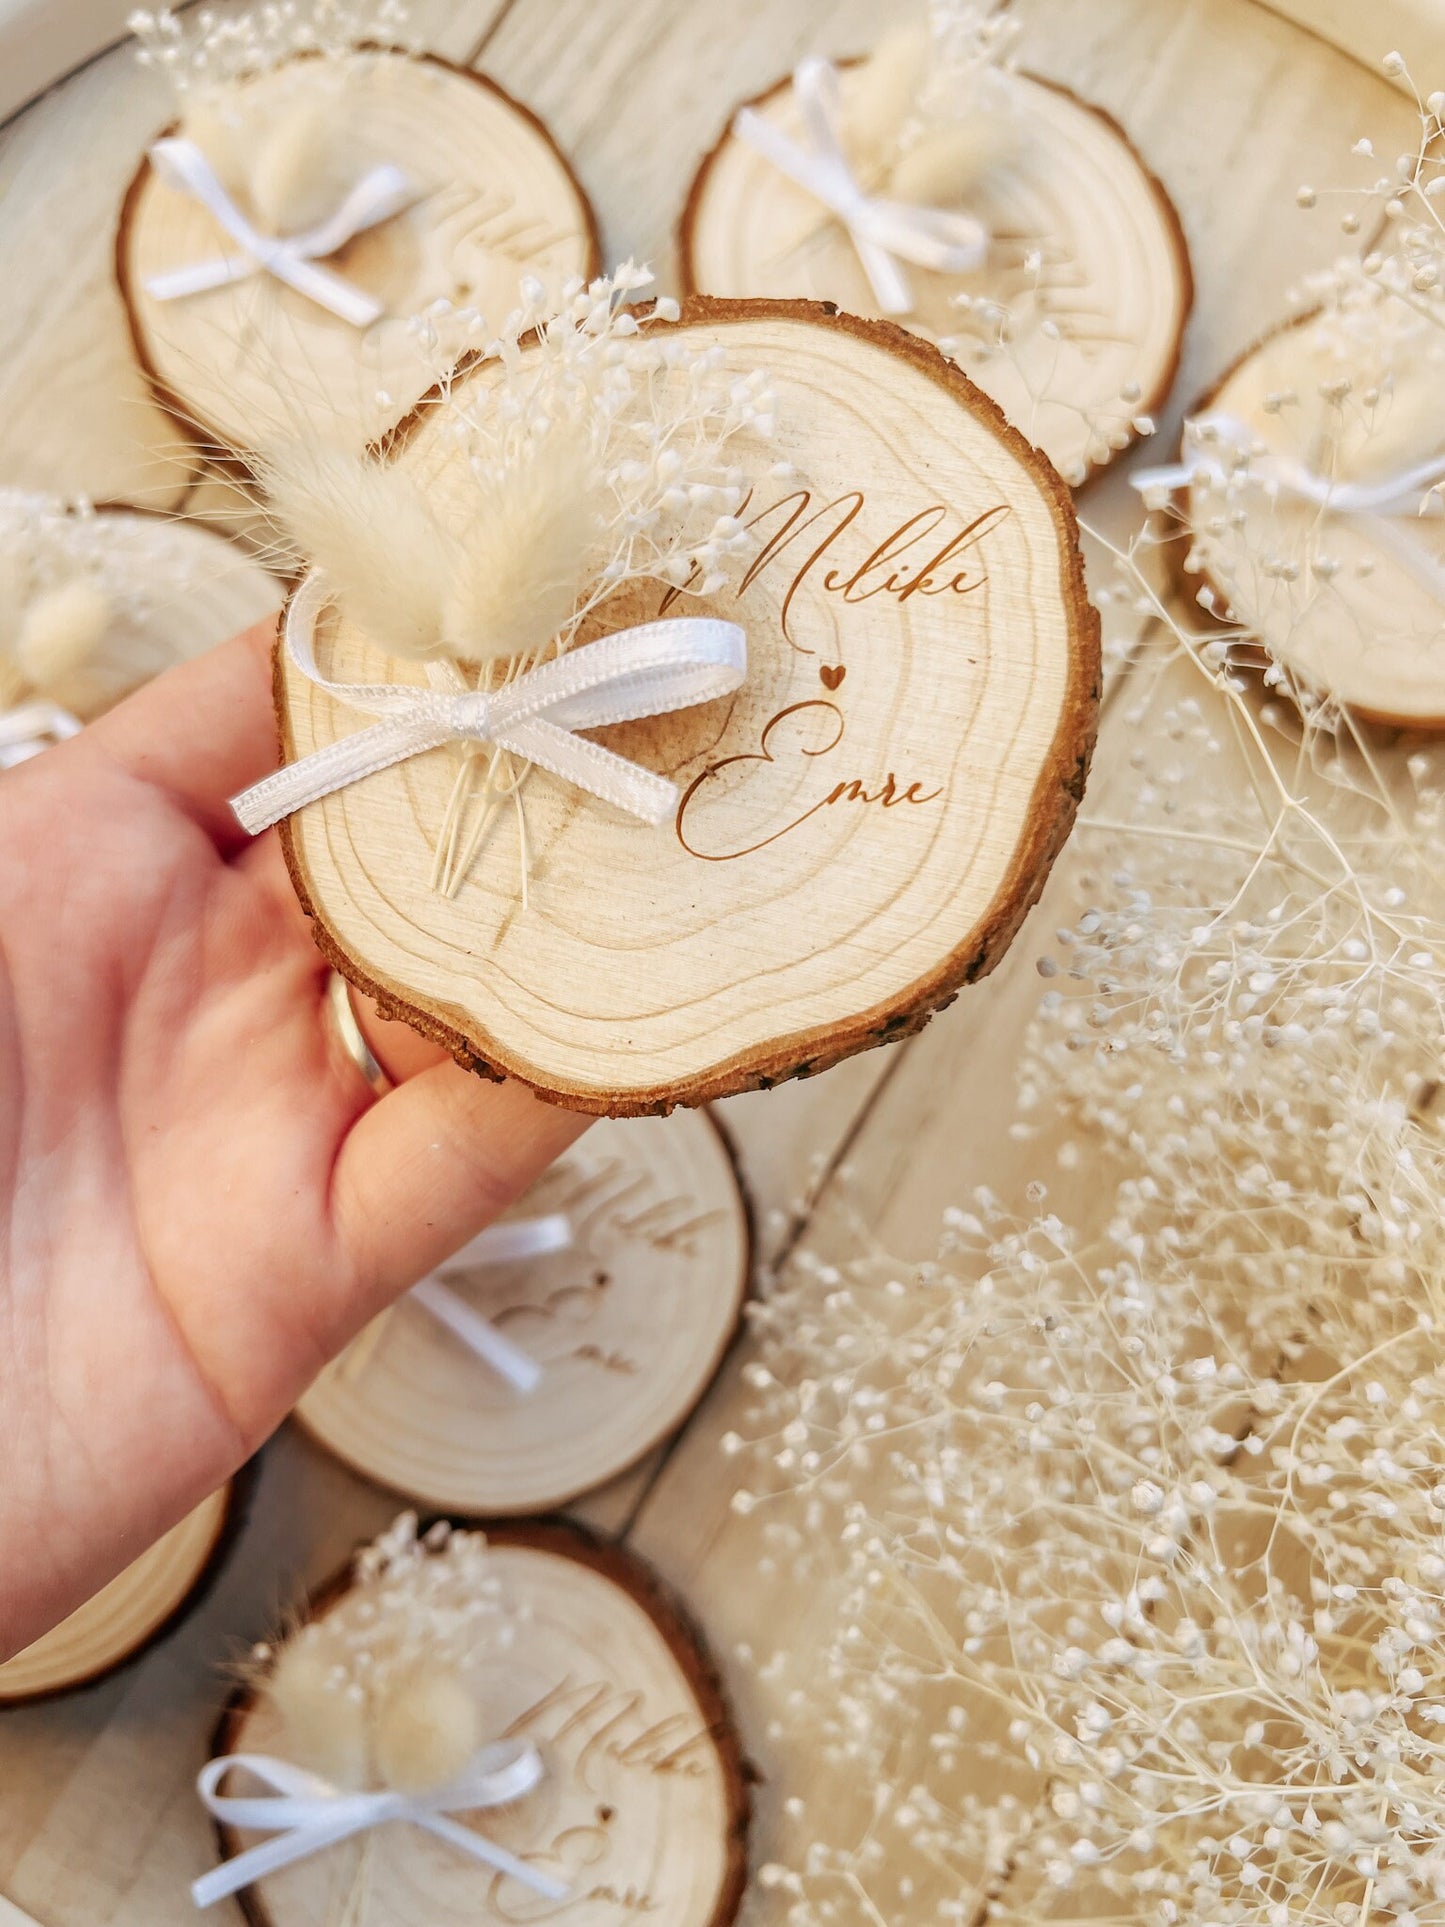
x: 126, y: 1615
x: 178, y: 587
x: 862, y: 827
x: 255, y: 362
x: 1352, y: 605
x: 644, y: 1810
x: 1113, y: 271
x: 629, y: 1326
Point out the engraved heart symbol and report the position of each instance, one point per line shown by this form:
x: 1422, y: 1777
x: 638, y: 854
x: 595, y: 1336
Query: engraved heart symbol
x: 832, y: 673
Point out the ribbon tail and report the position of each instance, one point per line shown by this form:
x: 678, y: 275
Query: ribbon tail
x: 588, y: 766
x: 1411, y: 551
x: 478, y: 1334
x: 338, y: 764
x: 269, y: 1856
x: 1174, y: 475
x: 891, y: 287
x: 480, y: 1848
x: 325, y: 288
x: 205, y: 275
x: 514, y: 1239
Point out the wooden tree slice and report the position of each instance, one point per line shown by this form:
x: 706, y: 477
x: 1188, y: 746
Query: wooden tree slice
x: 127, y: 1615
x: 178, y: 588
x: 644, y: 1809
x: 1345, y: 602
x: 1096, y: 324
x: 863, y: 826
x: 256, y: 362
x: 629, y: 1327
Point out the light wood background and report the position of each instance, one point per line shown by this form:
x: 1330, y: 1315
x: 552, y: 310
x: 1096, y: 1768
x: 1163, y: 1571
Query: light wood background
x: 1234, y: 106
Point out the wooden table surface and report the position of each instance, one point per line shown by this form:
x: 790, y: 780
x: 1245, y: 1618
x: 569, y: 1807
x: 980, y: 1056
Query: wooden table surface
x: 1234, y: 105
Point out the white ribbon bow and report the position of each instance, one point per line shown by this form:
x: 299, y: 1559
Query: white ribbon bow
x: 291, y: 258
x: 499, y: 1244
x: 31, y: 727
x: 1381, y: 502
x: 880, y: 229
x: 647, y: 671
x: 306, y: 1814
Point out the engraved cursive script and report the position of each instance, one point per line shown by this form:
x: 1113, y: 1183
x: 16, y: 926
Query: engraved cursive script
x: 922, y: 556
x: 607, y: 1722
x: 786, y: 734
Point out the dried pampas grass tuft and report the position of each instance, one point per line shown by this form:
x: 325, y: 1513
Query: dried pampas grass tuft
x: 944, y: 167
x: 14, y: 592
x: 528, y: 557
x: 324, y: 1712
x: 428, y: 1726
x: 882, y: 97
x: 220, y: 133
x: 368, y: 529
x: 59, y: 633
x: 303, y: 165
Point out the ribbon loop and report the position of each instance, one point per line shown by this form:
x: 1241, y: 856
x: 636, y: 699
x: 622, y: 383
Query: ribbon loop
x: 305, y: 1814
x: 881, y: 230
x: 644, y: 671
x: 510, y: 1242
x: 383, y: 192
x: 31, y: 727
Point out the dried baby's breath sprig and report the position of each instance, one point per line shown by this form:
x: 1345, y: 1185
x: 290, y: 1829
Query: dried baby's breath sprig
x: 1128, y: 1506
x: 209, y: 50
x: 1326, y: 501
x: 380, y: 1695
x: 598, y: 455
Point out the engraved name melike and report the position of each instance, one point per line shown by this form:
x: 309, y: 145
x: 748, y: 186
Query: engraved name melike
x: 826, y: 548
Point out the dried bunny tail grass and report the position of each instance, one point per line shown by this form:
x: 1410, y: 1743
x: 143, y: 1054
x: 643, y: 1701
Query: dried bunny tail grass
x: 368, y: 529
x: 324, y: 1711
x: 527, y: 559
x: 60, y: 631
x: 14, y: 592
x: 303, y: 164
x: 427, y: 1726
x: 946, y: 165
x: 219, y: 130
x: 884, y: 94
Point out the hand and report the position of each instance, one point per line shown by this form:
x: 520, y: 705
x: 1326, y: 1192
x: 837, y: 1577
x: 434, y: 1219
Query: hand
x: 201, y: 1201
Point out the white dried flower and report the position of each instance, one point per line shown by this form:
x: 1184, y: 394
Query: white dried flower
x: 598, y: 454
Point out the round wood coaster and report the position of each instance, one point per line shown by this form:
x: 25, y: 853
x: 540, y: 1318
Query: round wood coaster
x: 644, y: 1809
x: 629, y: 1326
x: 862, y: 827
x: 176, y: 587
x: 1352, y: 605
x: 129, y: 1613
x: 1097, y: 320
x: 255, y: 362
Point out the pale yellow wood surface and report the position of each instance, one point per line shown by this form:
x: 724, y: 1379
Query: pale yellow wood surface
x: 75, y: 413
x: 1085, y: 255
x: 640, y: 1783
x: 1351, y: 603
x: 627, y: 1325
x: 1234, y: 107
x: 861, y: 826
x: 122, y: 1615
x: 256, y: 362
